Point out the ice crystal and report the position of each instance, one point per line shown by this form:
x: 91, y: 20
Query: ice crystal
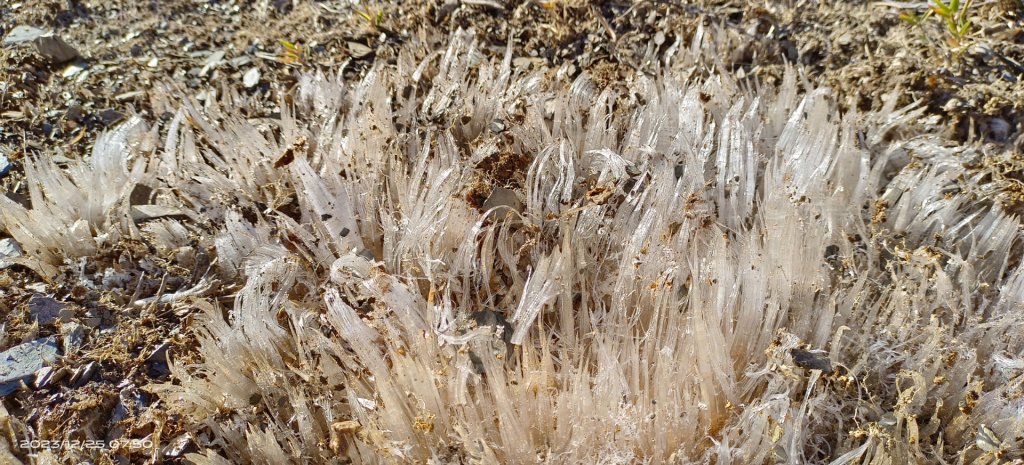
x: 665, y: 276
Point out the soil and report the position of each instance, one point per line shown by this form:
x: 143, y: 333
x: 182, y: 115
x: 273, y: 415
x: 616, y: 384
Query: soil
x: 137, y: 57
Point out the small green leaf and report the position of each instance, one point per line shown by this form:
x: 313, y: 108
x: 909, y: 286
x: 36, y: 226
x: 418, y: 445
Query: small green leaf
x: 964, y: 27
x: 941, y: 9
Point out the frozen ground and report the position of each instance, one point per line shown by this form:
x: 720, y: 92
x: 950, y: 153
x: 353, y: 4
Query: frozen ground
x: 904, y: 232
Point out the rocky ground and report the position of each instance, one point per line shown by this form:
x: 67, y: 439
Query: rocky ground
x: 108, y: 60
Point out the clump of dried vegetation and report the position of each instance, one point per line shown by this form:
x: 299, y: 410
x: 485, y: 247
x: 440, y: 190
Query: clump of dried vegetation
x: 455, y: 260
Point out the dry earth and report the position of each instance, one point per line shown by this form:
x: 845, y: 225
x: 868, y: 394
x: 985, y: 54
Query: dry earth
x: 138, y: 57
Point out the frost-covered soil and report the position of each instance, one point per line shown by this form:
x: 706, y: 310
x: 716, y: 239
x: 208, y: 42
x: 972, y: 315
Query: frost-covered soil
x: 577, y: 232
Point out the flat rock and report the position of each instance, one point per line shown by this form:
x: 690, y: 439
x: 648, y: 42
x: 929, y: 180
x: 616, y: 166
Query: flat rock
x: 22, y: 35
x: 55, y: 49
x: 48, y: 376
x: 46, y: 310
x: 359, y: 50
x: 83, y: 374
x: 22, y: 361
x: 130, y: 401
x: 73, y: 335
x: 159, y: 354
x: 110, y: 116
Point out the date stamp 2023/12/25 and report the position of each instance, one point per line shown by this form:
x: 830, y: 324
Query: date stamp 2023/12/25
x: 114, y: 444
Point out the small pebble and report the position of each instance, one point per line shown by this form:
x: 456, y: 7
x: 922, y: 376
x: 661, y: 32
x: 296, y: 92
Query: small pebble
x: 251, y: 78
x: 659, y: 38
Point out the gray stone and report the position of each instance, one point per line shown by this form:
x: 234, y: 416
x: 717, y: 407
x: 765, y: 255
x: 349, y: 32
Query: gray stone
x: 55, y: 49
x: 22, y: 361
x: 46, y: 310
x: 159, y: 354
x: 110, y: 116
x: 23, y: 34
x: 130, y: 402
x: 49, y: 376
x: 359, y: 50
x: 83, y: 374
x: 73, y: 334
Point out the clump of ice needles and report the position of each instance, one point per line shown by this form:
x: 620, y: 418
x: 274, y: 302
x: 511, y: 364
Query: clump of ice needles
x: 455, y: 261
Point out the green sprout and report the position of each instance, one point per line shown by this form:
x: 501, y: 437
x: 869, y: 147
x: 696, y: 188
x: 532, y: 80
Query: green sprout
x: 292, y: 54
x: 374, y: 19
x: 913, y: 18
x: 955, y: 14
x: 958, y: 22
